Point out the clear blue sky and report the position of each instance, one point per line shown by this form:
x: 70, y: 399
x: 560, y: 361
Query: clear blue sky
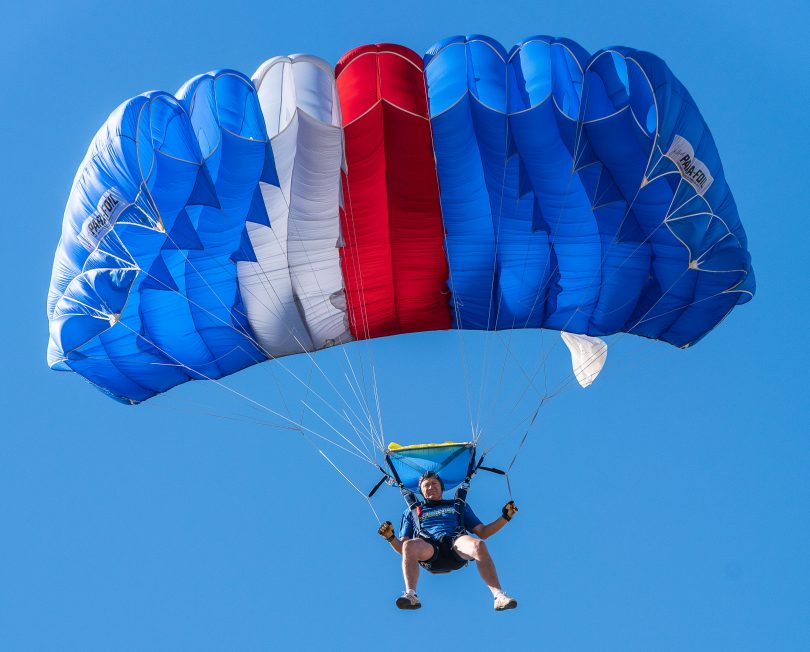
x: 665, y: 508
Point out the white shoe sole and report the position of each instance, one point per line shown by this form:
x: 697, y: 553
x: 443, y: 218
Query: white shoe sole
x: 512, y: 604
x: 404, y: 603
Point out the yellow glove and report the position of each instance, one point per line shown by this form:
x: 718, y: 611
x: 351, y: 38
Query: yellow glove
x: 386, y: 531
x: 509, y: 510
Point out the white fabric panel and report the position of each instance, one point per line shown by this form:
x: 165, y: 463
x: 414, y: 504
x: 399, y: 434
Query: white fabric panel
x: 588, y: 355
x: 294, y: 293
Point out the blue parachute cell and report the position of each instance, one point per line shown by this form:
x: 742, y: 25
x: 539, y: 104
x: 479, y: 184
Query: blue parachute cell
x: 576, y: 192
x: 170, y: 183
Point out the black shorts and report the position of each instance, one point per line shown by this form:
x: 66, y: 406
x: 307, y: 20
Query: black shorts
x: 444, y: 559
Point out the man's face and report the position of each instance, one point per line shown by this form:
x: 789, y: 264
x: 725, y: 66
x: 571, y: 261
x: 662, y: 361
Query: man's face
x: 431, y: 488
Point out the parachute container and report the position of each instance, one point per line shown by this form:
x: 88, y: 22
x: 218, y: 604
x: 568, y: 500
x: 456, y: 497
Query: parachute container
x: 452, y: 461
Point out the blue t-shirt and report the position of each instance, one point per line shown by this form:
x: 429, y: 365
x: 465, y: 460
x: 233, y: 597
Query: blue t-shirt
x: 438, y: 519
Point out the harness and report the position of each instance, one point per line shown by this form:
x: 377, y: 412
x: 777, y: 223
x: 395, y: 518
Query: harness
x: 459, y: 502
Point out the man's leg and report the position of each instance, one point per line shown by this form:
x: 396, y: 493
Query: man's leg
x: 414, y: 551
x: 471, y: 548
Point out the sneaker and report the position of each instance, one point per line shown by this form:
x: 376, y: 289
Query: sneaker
x: 503, y: 602
x: 408, y: 600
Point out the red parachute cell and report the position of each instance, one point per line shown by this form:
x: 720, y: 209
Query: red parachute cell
x: 393, y: 261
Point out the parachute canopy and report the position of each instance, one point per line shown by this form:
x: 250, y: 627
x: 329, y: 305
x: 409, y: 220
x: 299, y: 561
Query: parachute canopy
x: 452, y: 461
x: 473, y: 188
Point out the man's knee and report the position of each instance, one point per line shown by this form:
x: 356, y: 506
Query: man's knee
x: 409, y: 547
x: 416, y: 548
x: 475, y: 548
x: 480, y: 549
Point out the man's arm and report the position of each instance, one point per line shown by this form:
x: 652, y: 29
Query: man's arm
x: 396, y: 543
x: 485, y: 531
x: 387, y: 532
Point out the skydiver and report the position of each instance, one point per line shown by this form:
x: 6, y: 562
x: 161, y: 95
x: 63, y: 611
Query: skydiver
x: 440, y: 543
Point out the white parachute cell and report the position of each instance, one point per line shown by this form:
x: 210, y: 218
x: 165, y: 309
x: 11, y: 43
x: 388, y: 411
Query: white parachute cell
x: 588, y: 355
x: 293, y: 293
